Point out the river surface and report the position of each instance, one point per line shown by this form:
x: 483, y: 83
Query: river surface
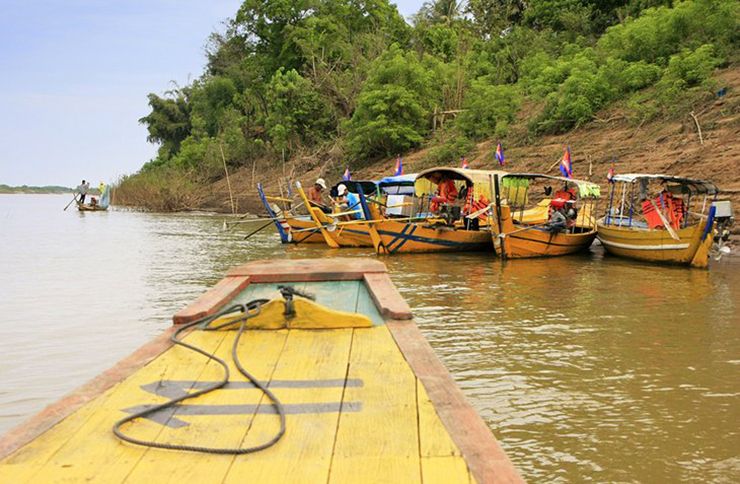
x: 587, y: 368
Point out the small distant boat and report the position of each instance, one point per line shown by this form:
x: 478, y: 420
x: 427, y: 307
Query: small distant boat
x: 308, y: 371
x: 96, y: 205
x: 438, y: 221
x: 660, y: 218
x: 556, y: 221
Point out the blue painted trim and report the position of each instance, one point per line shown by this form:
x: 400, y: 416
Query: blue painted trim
x: 710, y: 222
x: 281, y: 231
x: 427, y: 240
x: 397, y: 238
x: 363, y: 202
x: 405, y: 239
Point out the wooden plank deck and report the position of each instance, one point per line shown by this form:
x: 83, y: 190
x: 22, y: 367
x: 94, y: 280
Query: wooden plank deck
x: 358, y: 409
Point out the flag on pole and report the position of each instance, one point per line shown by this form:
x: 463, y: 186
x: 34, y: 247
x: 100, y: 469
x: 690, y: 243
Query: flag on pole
x: 500, y: 154
x: 610, y: 173
x: 347, y: 175
x: 465, y: 165
x: 399, y: 167
x: 566, y: 167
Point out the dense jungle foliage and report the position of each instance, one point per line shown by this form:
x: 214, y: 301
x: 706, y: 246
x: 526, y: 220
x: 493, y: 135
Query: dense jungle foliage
x: 355, y: 77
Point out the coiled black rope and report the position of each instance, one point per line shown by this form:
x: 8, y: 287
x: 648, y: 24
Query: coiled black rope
x: 250, y: 310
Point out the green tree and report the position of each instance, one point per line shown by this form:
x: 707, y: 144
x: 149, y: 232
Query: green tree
x: 393, y: 107
x: 169, y: 122
x: 297, y: 113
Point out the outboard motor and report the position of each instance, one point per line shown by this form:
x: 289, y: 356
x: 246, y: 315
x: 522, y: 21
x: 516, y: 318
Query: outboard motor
x: 723, y: 220
x: 449, y: 213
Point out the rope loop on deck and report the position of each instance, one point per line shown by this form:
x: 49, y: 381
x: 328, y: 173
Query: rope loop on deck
x: 249, y: 310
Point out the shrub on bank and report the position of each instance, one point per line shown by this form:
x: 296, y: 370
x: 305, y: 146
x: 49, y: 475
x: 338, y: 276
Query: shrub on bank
x: 160, y: 189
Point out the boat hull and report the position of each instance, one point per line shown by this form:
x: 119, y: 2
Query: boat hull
x: 656, y: 245
x: 90, y: 208
x: 364, y: 397
x: 302, y: 231
x: 411, y: 237
x: 543, y: 243
x: 355, y: 235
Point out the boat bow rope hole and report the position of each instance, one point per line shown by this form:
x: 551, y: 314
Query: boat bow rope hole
x: 294, y: 310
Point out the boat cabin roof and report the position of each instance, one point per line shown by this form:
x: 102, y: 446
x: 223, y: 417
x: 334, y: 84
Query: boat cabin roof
x: 472, y: 176
x: 585, y: 188
x: 699, y: 186
x: 392, y: 185
x: 368, y: 186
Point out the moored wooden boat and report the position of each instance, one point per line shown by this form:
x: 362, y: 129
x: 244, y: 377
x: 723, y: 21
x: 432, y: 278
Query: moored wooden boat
x: 290, y: 228
x: 363, y: 397
x: 439, y: 223
x: 651, y: 219
x: 534, y: 229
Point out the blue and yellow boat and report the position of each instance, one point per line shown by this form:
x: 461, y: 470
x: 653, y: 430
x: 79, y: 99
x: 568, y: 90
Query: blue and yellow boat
x: 258, y: 382
x: 441, y: 226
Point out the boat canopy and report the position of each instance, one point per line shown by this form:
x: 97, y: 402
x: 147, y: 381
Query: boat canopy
x: 398, y: 185
x: 698, y: 186
x: 586, y: 189
x: 479, y: 179
x: 368, y: 187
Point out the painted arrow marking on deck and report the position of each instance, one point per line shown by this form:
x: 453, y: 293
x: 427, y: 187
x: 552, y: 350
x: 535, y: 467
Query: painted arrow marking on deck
x: 178, y: 388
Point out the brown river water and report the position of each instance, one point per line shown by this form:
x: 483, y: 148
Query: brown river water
x: 587, y: 368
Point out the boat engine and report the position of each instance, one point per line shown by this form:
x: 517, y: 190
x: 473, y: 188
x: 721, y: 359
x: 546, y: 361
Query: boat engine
x: 449, y: 213
x: 723, y: 220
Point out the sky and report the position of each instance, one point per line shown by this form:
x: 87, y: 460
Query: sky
x: 74, y: 79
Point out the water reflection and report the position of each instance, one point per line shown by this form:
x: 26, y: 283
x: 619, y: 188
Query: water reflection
x: 588, y: 368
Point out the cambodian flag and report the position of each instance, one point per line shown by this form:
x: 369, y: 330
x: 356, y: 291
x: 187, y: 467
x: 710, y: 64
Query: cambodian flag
x: 399, y: 167
x: 566, y: 168
x: 465, y: 165
x: 610, y: 174
x: 347, y: 175
x: 500, y: 155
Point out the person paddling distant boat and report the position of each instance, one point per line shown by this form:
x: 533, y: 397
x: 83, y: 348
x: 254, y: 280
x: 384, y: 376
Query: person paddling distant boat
x: 82, y: 190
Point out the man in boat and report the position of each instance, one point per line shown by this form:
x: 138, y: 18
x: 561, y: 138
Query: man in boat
x: 315, y: 195
x: 82, y: 190
x: 446, y: 191
x: 342, y: 201
x: 563, y: 214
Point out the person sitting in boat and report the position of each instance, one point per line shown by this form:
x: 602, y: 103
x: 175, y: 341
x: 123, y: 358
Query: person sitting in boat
x: 315, y: 195
x: 446, y: 191
x: 342, y: 202
x: 558, y: 221
x: 353, y: 203
x: 563, y: 214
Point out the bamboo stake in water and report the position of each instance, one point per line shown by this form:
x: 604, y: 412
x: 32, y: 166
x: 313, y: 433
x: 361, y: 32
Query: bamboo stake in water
x: 228, y: 182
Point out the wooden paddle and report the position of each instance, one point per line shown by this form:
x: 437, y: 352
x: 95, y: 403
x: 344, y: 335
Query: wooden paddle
x: 74, y: 198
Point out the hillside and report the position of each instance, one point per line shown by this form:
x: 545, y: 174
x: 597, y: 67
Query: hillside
x: 25, y: 189
x: 326, y: 84
x: 661, y: 146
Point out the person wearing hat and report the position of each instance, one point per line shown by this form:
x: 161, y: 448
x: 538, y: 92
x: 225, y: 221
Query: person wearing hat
x: 342, y: 201
x: 315, y: 195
